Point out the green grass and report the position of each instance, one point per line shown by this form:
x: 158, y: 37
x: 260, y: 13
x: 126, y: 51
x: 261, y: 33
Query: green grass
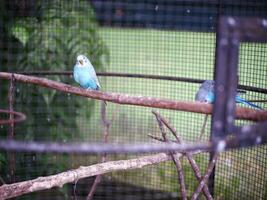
x: 182, y: 54
x: 160, y: 52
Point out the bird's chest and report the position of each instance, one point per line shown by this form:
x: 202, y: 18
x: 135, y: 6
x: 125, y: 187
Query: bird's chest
x: 84, y: 78
x: 83, y: 74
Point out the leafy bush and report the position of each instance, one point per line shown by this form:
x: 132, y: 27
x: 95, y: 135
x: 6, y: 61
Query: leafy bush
x: 52, y: 42
x: 49, y: 38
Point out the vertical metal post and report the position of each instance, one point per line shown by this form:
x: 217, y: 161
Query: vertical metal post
x: 211, y: 182
x: 11, y: 155
x: 231, y: 31
x: 226, y: 63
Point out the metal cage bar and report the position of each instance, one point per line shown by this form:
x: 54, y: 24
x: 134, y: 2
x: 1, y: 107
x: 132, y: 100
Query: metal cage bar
x: 231, y: 32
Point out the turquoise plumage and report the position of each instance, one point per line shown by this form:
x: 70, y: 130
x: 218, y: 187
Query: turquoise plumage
x: 206, y: 94
x: 84, y: 74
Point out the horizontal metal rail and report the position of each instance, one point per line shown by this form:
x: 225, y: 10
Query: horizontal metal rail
x: 145, y: 76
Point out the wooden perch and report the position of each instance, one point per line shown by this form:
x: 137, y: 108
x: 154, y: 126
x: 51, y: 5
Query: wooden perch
x: 196, y: 107
x: 58, y: 180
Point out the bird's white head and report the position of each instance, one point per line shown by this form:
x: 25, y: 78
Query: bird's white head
x: 208, y: 84
x: 82, y: 60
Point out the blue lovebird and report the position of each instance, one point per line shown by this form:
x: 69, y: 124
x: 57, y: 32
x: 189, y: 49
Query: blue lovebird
x: 84, y: 74
x: 206, y: 94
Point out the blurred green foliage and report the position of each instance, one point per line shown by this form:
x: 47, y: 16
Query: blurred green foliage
x: 47, y: 36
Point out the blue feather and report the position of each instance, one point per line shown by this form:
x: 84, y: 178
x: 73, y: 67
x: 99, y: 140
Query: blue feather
x: 84, y: 74
x: 238, y: 99
x: 206, y: 94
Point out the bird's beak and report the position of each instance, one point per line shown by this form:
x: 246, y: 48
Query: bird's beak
x: 81, y: 62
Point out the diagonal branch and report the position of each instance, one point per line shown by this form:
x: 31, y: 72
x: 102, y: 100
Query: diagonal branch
x: 206, y: 176
x: 159, y: 138
x: 176, y: 160
x: 58, y: 180
x: 187, y: 154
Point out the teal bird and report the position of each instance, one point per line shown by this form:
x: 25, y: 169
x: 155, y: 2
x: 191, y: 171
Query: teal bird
x: 206, y: 94
x: 84, y: 74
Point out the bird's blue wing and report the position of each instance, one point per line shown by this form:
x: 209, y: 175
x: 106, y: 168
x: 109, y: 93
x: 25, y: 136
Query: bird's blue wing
x: 238, y: 99
x: 204, y: 96
x: 75, y: 74
x: 93, y: 76
x: 210, y: 97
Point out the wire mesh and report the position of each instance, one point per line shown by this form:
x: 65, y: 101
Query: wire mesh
x: 171, y: 38
x: 234, y: 166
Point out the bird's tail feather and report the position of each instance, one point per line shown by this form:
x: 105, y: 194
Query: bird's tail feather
x: 241, y: 100
x: 239, y: 91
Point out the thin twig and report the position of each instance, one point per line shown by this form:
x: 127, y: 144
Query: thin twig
x: 159, y: 138
x: 58, y: 180
x: 176, y: 160
x: 74, y: 189
x: 94, y: 186
x: 2, y: 181
x: 106, y: 126
x: 203, y: 128
x: 187, y: 154
x: 114, y: 113
x: 167, y: 124
x: 205, y: 177
x: 193, y: 165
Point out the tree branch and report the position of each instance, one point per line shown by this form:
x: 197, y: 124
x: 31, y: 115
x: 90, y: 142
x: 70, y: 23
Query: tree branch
x: 188, y: 154
x: 206, y: 176
x: 196, y: 107
x: 58, y: 180
x: 176, y: 160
